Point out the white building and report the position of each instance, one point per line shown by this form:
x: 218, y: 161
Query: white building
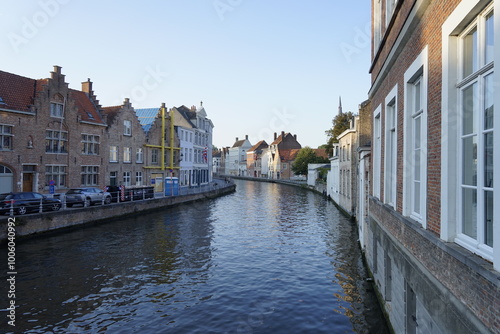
x: 237, y: 157
x: 185, y: 130
x: 202, y: 146
x: 332, y: 180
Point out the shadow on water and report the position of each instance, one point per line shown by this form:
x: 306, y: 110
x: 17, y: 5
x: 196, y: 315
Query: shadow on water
x: 266, y: 259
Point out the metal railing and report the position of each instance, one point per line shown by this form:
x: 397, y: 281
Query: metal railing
x: 137, y: 194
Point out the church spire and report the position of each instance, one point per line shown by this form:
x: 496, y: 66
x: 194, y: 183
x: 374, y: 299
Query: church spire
x: 340, y: 106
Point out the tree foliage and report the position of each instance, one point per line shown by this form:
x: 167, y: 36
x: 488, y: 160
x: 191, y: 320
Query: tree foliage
x: 341, y: 122
x: 306, y: 156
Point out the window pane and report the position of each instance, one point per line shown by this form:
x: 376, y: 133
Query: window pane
x: 416, y: 168
x: 488, y: 101
x: 416, y: 132
x: 469, y: 212
x: 470, y: 53
x: 489, y: 39
x: 488, y: 160
x: 488, y: 214
x: 416, y: 197
x: 469, y: 161
x: 417, y: 96
x: 468, y: 110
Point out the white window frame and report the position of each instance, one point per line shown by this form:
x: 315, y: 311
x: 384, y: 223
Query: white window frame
x: 377, y: 151
x: 90, y: 144
x: 58, y: 138
x: 127, y: 155
x: 415, y: 75
x: 89, y: 175
x: 390, y: 148
x: 56, y: 110
x: 57, y: 173
x: 139, y: 155
x: 127, y: 179
x: 127, y: 128
x: 138, y: 179
x: 460, y: 20
x: 155, y: 156
x: 377, y: 23
x: 6, y: 137
x: 390, y: 5
x: 113, y: 154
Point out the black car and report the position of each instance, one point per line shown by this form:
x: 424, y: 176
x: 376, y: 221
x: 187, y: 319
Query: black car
x: 24, y: 202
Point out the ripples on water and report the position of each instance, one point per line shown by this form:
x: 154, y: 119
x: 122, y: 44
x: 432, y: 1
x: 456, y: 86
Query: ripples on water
x: 266, y: 259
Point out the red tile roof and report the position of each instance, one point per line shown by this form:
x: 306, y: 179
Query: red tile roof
x: 16, y: 92
x: 289, y: 154
x: 86, y: 109
x: 259, y: 146
x: 321, y: 152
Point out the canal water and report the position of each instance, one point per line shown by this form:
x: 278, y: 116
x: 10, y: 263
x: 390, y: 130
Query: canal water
x: 268, y: 258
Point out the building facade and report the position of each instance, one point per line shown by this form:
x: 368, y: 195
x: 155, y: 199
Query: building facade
x: 282, y: 153
x: 125, y: 147
x: 431, y: 238
x: 254, y: 159
x: 161, y: 149
x: 185, y: 130
x: 236, y: 163
x: 51, y: 136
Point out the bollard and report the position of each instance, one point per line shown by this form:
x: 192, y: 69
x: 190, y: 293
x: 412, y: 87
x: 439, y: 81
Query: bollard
x: 41, y: 205
x: 11, y: 213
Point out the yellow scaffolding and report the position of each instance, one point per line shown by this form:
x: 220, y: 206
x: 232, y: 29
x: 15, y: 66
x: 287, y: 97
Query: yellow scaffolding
x: 162, y: 147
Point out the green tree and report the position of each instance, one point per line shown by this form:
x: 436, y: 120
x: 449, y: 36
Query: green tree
x: 341, y: 122
x: 306, y: 156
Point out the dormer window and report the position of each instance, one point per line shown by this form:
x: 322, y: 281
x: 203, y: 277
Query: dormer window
x: 56, y: 110
x: 90, y: 116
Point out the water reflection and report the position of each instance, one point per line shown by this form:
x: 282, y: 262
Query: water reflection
x: 266, y: 259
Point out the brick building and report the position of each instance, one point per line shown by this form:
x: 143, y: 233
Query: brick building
x: 125, y: 147
x: 282, y: 153
x: 431, y: 239
x: 50, y: 134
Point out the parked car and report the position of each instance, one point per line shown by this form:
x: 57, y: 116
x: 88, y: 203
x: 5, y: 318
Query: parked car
x: 24, y: 202
x: 87, y: 196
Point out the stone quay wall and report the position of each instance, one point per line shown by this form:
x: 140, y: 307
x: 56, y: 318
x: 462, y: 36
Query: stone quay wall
x: 34, y: 224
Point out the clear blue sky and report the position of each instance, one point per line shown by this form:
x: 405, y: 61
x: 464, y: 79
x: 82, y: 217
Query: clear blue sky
x: 258, y: 66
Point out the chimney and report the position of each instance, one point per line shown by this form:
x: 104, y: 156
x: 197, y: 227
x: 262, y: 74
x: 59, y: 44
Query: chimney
x: 295, y: 136
x: 236, y: 138
x: 246, y: 137
x: 193, y: 108
x: 275, y: 136
x: 282, y: 134
x: 56, y: 72
x: 87, y: 87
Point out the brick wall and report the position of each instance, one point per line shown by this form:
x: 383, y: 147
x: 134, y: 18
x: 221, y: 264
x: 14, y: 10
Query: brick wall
x: 462, y: 287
